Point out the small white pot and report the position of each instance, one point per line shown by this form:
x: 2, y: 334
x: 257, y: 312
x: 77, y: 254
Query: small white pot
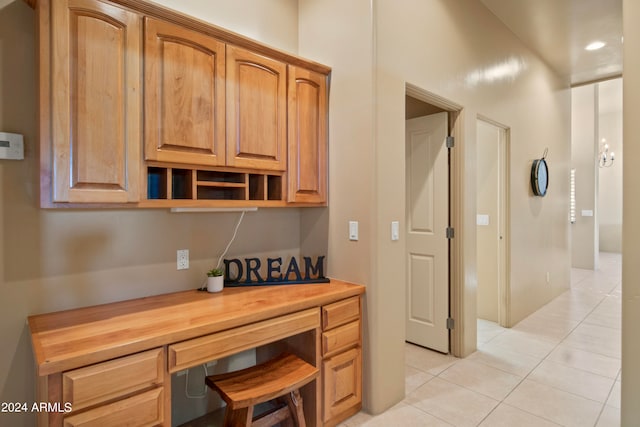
x: 215, y: 283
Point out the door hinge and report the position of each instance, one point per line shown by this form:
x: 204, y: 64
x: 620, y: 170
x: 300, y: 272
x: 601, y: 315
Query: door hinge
x: 450, y: 323
x: 450, y: 142
x: 450, y: 233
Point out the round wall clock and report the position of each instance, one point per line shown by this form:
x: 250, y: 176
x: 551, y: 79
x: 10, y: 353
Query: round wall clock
x: 540, y: 176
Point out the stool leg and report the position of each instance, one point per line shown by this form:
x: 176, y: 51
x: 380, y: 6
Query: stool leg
x: 294, y: 400
x: 240, y: 417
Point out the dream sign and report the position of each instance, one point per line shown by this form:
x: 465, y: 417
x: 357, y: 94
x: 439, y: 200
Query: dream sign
x: 253, y: 271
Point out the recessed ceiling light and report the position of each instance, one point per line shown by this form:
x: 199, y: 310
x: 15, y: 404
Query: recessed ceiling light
x: 595, y: 45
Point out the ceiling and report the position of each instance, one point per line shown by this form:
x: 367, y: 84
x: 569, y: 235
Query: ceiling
x: 559, y: 30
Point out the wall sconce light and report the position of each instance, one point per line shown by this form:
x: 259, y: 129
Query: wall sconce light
x: 606, y: 157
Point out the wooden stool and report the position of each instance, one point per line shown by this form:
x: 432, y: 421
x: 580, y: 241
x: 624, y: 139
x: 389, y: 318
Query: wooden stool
x: 279, y: 378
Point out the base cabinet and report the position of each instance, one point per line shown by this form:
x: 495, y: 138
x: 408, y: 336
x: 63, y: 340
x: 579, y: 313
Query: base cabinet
x: 145, y: 409
x: 342, y: 360
x: 129, y: 390
x: 116, y: 365
x: 342, y: 385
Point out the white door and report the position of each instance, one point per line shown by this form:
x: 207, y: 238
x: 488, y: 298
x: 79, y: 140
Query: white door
x: 427, y: 183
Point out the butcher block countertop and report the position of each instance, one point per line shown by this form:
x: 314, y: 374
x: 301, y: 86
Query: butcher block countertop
x: 70, y: 339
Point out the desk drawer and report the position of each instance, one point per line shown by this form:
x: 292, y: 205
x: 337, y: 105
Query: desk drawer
x: 340, y: 312
x: 221, y: 344
x: 340, y: 338
x: 145, y: 409
x: 105, y: 381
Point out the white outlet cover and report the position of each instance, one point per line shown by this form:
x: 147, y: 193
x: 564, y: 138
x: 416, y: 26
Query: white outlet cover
x: 183, y: 259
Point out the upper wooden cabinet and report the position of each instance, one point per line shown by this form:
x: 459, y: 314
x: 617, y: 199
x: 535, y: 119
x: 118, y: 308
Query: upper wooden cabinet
x: 90, y: 103
x: 256, y: 111
x: 307, y: 106
x: 141, y: 106
x: 184, y: 103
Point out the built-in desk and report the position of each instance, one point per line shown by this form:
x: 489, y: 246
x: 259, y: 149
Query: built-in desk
x: 104, y: 364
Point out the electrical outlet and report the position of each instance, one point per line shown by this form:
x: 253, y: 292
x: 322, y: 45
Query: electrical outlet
x: 183, y: 259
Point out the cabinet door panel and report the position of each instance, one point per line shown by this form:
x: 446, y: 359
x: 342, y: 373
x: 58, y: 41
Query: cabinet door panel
x: 256, y: 108
x: 184, y: 95
x: 307, y: 107
x: 342, y: 383
x: 96, y: 102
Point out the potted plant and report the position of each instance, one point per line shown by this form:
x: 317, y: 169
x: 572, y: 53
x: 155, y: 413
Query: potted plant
x: 215, y: 279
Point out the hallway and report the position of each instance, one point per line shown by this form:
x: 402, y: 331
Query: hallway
x: 558, y: 367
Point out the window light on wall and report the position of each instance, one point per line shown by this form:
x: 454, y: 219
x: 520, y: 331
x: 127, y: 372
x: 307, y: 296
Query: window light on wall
x: 572, y: 196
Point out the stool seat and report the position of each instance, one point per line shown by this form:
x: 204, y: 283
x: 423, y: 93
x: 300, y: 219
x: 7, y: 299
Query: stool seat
x: 283, y: 375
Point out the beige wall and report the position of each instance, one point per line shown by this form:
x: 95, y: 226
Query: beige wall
x: 53, y: 260
x: 610, y: 178
x: 631, y: 214
x: 453, y: 49
x: 339, y: 33
x: 596, y: 114
x: 487, y: 202
x: 584, y: 136
x: 450, y: 49
x: 273, y: 22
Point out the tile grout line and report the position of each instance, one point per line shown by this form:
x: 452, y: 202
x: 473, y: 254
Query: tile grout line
x: 545, y: 358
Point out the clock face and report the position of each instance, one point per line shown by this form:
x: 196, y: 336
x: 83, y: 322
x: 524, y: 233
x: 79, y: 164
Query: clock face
x: 539, y: 177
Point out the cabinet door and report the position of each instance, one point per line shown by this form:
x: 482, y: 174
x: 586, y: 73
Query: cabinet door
x: 184, y: 95
x: 307, y: 115
x: 342, y: 376
x: 256, y: 111
x: 96, y: 101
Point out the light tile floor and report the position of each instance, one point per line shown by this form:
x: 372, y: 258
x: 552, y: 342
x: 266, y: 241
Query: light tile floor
x: 558, y: 367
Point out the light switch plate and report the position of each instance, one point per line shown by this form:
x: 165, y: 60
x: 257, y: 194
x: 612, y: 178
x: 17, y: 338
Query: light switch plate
x: 395, y: 230
x: 482, y: 219
x: 11, y: 146
x: 353, y: 230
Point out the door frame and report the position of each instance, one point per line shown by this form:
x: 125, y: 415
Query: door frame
x: 504, y: 287
x: 456, y: 292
